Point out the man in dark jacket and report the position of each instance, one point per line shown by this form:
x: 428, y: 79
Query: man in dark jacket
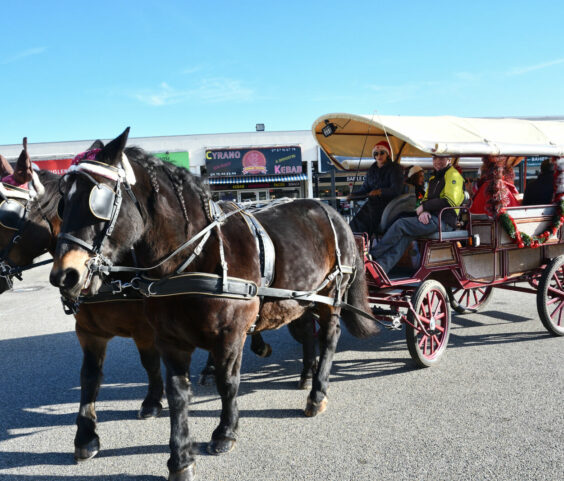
x: 445, y: 189
x: 540, y: 191
x: 383, y: 182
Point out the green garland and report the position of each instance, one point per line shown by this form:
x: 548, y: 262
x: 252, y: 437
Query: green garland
x: 525, y: 240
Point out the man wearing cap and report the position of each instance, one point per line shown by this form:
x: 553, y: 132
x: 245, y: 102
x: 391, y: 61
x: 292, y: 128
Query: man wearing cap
x: 446, y: 189
x: 383, y: 182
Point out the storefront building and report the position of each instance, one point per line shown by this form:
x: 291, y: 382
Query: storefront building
x: 237, y: 166
x: 255, y: 173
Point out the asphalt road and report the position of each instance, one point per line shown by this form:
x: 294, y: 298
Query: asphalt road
x: 492, y: 410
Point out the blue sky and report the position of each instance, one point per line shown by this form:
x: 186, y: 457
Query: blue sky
x: 167, y: 67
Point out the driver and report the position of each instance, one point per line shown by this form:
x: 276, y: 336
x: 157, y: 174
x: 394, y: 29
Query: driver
x: 383, y: 182
x: 446, y: 189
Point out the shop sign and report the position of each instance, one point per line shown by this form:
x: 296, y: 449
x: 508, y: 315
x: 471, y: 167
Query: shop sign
x: 535, y: 161
x: 57, y: 166
x: 181, y: 159
x: 341, y: 178
x: 254, y: 161
x: 263, y: 185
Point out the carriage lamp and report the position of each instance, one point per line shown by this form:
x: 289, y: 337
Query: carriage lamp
x: 329, y: 128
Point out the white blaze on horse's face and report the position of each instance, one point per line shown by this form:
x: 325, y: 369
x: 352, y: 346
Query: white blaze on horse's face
x: 72, y: 191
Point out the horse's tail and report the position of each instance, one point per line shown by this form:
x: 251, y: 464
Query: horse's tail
x: 358, y: 325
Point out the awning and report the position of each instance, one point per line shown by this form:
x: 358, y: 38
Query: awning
x: 351, y: 137
x: 256, y: 180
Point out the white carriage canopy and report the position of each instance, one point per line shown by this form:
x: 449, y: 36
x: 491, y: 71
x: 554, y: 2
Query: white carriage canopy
x: 348, y: 139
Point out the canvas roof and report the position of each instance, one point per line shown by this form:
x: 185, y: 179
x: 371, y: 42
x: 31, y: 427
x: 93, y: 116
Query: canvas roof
x: 411, y: 136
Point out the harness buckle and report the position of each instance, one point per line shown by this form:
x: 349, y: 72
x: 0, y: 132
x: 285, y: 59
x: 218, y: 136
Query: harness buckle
x: 118, y: 287
x: 253, y: 289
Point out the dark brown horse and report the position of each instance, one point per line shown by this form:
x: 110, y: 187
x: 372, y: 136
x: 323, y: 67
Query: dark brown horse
x: 95, y: 324
x: 112, y: 203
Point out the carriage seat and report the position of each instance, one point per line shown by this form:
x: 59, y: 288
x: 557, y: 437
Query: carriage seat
x: 397, y: 206
x: 463, y: 217
x: 452, y: 235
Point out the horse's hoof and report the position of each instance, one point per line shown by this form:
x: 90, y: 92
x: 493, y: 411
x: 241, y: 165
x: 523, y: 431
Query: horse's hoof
x: 206, y: 380
x: 304, y: 383
x: 313, y: 409
x: 266, y: 351
x: 147, y: 412
x: 186, y: 474
x: 220, y: 446
x: 87, y: 452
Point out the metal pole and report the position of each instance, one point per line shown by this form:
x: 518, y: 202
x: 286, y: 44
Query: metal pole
x: 333, y: 189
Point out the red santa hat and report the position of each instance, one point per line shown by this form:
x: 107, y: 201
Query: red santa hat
x: 382, y: 145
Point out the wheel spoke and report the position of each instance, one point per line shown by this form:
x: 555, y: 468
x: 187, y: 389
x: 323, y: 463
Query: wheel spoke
x: 557, y: 309
x: 554, y: 291
x: 423, y: 343
x: 424, y: 319
x: 475, y: 294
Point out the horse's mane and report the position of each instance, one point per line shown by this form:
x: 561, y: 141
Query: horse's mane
x: 181, y: 179
x: 52, y: 196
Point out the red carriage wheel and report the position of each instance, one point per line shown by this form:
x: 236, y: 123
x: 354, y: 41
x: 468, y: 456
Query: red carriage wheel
x: 428, y: 339
x: 465, y: 301
x: 550, y: 296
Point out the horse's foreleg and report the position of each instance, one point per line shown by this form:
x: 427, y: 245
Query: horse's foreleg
x: 178, y: 393
x: 328, y: 336
x: 228, y: 376
x: 151, y: 406
x: 86, y: 441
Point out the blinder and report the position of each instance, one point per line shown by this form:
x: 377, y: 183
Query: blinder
x: 12, y: 214
x: 100, y: 202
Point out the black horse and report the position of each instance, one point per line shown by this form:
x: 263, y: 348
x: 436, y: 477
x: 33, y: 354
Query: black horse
x: 206, y: 298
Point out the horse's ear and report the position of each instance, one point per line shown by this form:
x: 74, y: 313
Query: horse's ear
x: 5, y: 167
x: 22, y: 172
x: 98, y: 144
x: 111, y: 153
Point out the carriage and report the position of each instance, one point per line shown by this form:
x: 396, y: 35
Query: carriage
x: 519, y: 248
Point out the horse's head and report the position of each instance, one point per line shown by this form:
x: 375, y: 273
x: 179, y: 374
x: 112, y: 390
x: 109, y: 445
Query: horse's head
x: 24, y: 232
x: 99, y: 220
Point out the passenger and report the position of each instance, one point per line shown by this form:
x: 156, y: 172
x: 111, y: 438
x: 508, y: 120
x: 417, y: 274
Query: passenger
x: 496, y: 189
x: 416, y: 186
x: 384, y: 181
x: 541, y: 190
x: 446, y: 189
